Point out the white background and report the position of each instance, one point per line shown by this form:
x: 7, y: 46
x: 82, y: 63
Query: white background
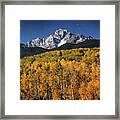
x: 15, y: 13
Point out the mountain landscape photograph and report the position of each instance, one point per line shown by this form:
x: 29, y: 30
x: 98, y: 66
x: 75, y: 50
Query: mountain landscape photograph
x: 59, y: 60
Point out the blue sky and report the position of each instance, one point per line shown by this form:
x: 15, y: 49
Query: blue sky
x: 31, y: 29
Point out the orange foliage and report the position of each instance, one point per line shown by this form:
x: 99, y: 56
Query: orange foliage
x: 66, y: 75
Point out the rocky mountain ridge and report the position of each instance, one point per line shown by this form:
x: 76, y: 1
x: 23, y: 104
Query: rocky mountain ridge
x: 57, y: 39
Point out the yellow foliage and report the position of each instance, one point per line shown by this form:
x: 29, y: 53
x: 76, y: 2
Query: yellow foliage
x: 61, y: 75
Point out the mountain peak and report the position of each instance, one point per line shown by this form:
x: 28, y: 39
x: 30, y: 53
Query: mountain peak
x: 60, y: 33
x: 58, y: 38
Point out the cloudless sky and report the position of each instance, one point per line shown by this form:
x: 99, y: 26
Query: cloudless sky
x: 31, y: 29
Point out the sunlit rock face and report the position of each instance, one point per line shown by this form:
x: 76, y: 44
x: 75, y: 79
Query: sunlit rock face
x: 57, y: 39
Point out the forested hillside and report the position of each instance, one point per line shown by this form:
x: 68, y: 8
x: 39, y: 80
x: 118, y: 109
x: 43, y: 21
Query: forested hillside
x: 61, y: 75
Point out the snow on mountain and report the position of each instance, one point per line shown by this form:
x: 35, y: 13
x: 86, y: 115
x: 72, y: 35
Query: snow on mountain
x: 62, y: 42
x: 60, y: 33
x: 58, y: 38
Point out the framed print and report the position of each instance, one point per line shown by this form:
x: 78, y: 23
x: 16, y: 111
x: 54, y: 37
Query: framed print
x: 59, y: 60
